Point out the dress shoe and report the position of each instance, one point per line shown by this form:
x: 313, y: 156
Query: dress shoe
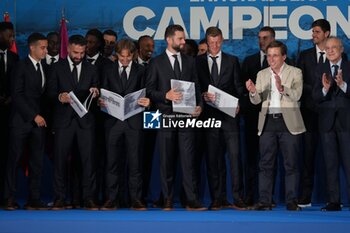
x: 195, y: 206
x: 273, y: 204
x: 331, y: 207
x: 138, y: 205
x: 239, y: 205
x: 36, y: 204
x: 168, y: 205
x: 58, y: 204
x: 215, y: 205
x: 304, y: 202
x: 90, y: 205
x: 226, y: 204
x: 249, y: 201
x: 109, y: 205
x: 262, y: 206
x: 11, y: 204
x: 158, y: 203
x: 293, y: 206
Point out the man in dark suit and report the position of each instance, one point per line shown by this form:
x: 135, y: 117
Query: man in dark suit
x: 53, y: 49
x: 73, y: 74
x: 331, y: 92
x: 160, y: 70
x: 28, y: 123
x: 8, y: 60
x: 127, y: 137
x: 110, y: 38
x: 307, y: 62
x: 222, y: 71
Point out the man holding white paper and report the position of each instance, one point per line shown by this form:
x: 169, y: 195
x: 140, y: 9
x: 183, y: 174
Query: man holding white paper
x: 73, y: 74
x: 221, y: 71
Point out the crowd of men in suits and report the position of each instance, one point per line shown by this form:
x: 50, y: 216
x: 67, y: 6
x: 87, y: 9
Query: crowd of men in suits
x: 104, y: 163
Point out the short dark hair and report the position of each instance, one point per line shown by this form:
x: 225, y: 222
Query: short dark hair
x: 35, y: 37
x: 96, y: 33
x: 125, y: 44
x: 202, y: 41
x: 278, y: 44
x: 6, y: 26
x: 141, y: 38
x: 323, y: 24
x: 268, y: 29
x: 78, y: 40
x: 213, y: 32
x: 52, y: 34
x: 110, y: 33
x: 171, y: 29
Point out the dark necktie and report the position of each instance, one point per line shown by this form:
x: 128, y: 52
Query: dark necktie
x: 145, y: 64
x: 52, y: 60
x: 38, y: 70
x: 2, y: 73
x: 177, y: 70
x: 91, y: 60
x: 75, y: 74
x: 214, y: 70
x: 124, y: 77
x: 335, y: 73
x: 320, y: 59
x: 264, y: 63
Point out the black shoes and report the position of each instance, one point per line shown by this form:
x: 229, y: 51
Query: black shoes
x: 293, y: 206
x: 138, y: 205
x: 109, y: 205
x: 58, y: 204
x: 331, y: 207
x: 90, y: 205
x: 226, y: 204
x: 215, y: 205
x: 195, y: 206
x: 239, y: 205
x: 168, y: 205
x: 304, y: 202
x: 11, y: 204
x: 262, y: 206
x: 36, y: 204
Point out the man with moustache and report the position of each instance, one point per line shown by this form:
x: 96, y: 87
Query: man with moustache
x: 172, y: 64
x: 27, y: 123
x: 145, y: 50
x: 331, y: 92
x: 73, y: 74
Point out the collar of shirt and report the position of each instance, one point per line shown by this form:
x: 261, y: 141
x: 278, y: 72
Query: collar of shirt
x: 48, y: 58
x: 140, y: 61
x: 262, y: 55
x: 218, y: 60
x: 318, y: 50
x: 127, y: 68
x: 172, y: 59
x: 79, y: 66
x: 94, y: 57
x: 34, y: 61
x: 338, y: 63
x: 36, y: 68
x: 3, y: 51
x: 281, y: 70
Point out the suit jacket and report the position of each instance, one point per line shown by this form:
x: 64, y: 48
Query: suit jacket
x: 159, y: 73
x: 229, y: 81
x: 336, y: 103
x: 307, y: 62
x: 12, y: 60
x: 112, y: 82
x: 292, y: 82
x: 61, y: 80
x: 27, y: 94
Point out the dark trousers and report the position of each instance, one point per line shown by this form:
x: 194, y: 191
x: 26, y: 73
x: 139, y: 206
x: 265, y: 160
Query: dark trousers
x: 121, y: 138
x: 170, y: 141
x: 64, y: 142
x: 310, y: 139
x: 149, y: 146
x: 276, y: 137
x: 219, y: 139
x: 35, y: 136
x: 336, y: 147
x: 4, y: 145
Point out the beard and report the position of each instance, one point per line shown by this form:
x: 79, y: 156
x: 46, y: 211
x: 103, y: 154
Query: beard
x: 177, y: 48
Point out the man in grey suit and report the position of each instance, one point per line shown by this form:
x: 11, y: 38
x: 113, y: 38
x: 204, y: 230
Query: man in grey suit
x: 278, y: 88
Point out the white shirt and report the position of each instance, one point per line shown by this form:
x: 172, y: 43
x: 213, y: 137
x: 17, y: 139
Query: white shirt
x: 5, y: 58
x: 172, y: 59
x: 48, y: 58
x: 72, y: 66
x: 94, y: 57
x: 36, y: 68
x: 318, y: 50
x: 218, y: 61
x: 262, y: 57
x: 140, y: 61
x: 275, y: 101
x: 127, y: 69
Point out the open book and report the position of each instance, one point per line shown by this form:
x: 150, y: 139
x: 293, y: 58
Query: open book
x: 223, y: 101
x: 188, y: 102
x: 79, y: 108
x: 122, y: 107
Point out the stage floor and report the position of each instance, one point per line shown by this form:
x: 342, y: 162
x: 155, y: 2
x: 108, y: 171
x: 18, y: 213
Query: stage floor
x: 155, y: 220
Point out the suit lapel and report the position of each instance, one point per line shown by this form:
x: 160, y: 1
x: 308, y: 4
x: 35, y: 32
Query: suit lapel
x: 34, y: 74
x: 132, y: 77
x: 68, y: 71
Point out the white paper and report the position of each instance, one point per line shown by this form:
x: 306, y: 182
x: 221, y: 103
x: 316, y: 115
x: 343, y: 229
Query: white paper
x: 122, y: 107
x: 223, y: 101
x: 79, y: 108
x: 188, y: 102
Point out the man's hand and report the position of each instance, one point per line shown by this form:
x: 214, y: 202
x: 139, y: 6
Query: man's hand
x: 250, y: 86
x: 64, y: 98
x: 40, y: 121
x: 209, y: 97
x: 173, y: 95
x: 197, y: 111
x: 339, y: 78
x: 278, y: 83
x: 145, y: 102
x: 95, y: 92
x: 326, y: 82
x: 101, y: 102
